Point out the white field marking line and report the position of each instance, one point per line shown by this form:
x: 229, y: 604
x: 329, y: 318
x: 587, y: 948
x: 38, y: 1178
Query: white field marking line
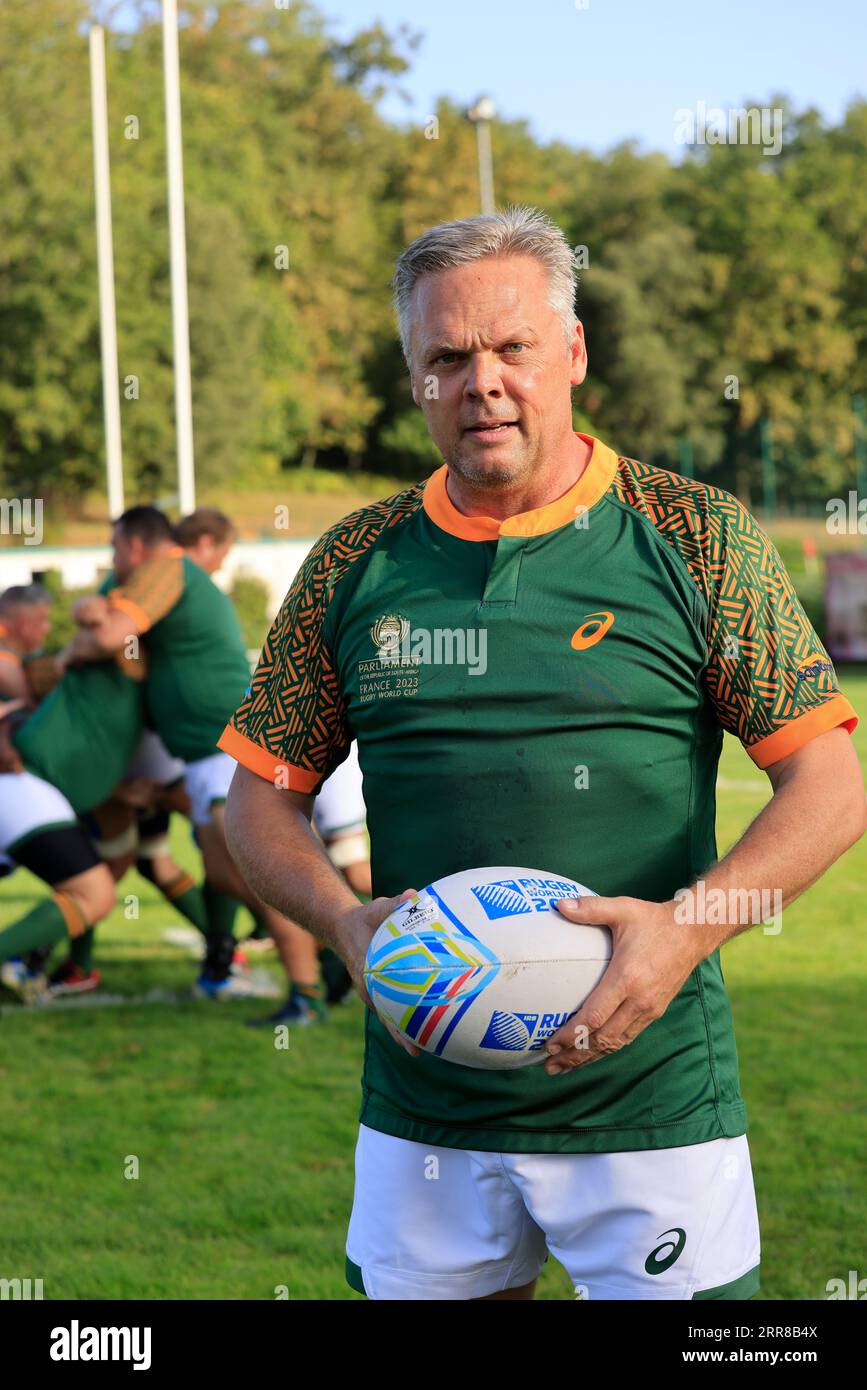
x: 187, y: 938
x: 728, y: 784
x: 99, y: 1000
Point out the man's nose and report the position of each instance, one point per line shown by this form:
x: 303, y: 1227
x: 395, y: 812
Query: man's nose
x: 483, y: 375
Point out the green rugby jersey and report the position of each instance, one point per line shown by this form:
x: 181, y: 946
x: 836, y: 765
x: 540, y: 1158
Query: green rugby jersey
x: 197, y: 666
x: 599, y: 647
x: 83, y: 734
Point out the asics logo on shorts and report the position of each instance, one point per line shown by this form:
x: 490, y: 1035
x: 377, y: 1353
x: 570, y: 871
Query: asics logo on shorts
x: 664, y: 1256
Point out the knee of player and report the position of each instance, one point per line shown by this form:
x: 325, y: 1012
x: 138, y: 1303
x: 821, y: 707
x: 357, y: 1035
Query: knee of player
x: 93, y: 893
x: 357, y: 875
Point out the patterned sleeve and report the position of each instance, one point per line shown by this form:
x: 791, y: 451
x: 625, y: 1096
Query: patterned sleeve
x: 768, y: 677
x: 152, y: 590
x: 291, y: 726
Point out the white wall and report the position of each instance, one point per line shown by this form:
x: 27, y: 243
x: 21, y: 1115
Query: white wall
x: 274, y: 562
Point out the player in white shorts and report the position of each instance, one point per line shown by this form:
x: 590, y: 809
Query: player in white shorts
x: 340, y: 819
x: 40, y: 831
x: 39, y: 828
x: 441, y: 1223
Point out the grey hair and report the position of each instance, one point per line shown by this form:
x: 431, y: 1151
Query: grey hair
x: 519, y: 231
x: 24, y: 593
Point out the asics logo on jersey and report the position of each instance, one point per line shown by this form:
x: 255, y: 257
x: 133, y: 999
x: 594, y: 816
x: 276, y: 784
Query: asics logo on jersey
x: 591, y: 631
x: 664, y: 1256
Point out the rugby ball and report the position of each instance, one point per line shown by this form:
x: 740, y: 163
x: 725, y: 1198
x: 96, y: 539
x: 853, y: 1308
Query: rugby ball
x: 480, y: 968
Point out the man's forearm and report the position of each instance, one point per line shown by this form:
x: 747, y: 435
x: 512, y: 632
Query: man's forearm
x: 809, y: 822
x: 283, y: 861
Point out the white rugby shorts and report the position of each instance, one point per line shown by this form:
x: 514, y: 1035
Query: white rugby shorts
x: 208, y: 781
x: 153, y: 760
x: 436, y: 1223
x: 339, y: 808
x: 29, y: 804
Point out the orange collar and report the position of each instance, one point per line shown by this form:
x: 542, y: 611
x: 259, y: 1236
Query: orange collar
x: 593, y: 484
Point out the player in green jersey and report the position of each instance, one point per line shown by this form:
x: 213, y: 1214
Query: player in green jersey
x: 196, y: 672
x: 67, y: 756
x: 557, y: 609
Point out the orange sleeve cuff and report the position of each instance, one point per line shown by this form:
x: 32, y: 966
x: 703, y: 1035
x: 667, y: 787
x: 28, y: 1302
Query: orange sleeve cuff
x: 132, y: 610
x: 793, y: 736
x: 253, y: 756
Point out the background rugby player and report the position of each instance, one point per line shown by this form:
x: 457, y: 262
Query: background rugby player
x: 25, y: 621
x: 62, y: 761
x: 196, y: 669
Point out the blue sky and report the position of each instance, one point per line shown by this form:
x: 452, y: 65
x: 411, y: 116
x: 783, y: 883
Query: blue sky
x: 619, y: 69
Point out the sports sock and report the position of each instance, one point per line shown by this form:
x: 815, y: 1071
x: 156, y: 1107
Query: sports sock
x: 43, y: 925
x: 260, y: 930
x: 190, y: 903
x: 313, y: 991
x: 81, y: 951
x: 220, y: 908
x: 313, y: 995
x: 219, y: 957
x: 182, y: 892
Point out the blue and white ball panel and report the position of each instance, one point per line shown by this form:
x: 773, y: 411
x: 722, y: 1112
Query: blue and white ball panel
x: 479, y: 968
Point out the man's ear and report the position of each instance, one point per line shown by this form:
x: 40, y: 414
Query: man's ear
x: 413, y: 389
x: 578, y: 352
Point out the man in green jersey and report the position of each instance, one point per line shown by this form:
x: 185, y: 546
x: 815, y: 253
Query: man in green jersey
x: 196, y: 673
x: 563, y: 608
x: 68, y: 754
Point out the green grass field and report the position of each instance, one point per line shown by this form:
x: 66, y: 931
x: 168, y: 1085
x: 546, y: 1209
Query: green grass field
x: 245, y: 1151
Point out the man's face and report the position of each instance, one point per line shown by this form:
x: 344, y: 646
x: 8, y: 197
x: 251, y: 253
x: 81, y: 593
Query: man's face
x: 128, y: 553
x: 487, y: 334
x: 29, y: 625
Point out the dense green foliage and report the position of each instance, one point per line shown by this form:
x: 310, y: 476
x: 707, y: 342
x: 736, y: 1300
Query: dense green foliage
x: 300, y: 196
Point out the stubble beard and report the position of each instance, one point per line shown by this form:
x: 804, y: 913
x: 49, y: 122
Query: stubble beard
x: 476, y: 472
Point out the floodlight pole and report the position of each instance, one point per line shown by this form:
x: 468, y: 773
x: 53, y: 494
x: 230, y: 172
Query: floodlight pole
x: 178, y: 257
x: 481, y: 116
x: 860, y: 446
x: 105, y: 273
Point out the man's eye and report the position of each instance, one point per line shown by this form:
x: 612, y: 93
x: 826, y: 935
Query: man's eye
x: 443, y: 357
x: 515, y: 347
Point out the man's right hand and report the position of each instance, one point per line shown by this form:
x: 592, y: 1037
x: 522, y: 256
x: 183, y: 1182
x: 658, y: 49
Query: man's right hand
x: 360, y: 926
x: 90, y: 611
